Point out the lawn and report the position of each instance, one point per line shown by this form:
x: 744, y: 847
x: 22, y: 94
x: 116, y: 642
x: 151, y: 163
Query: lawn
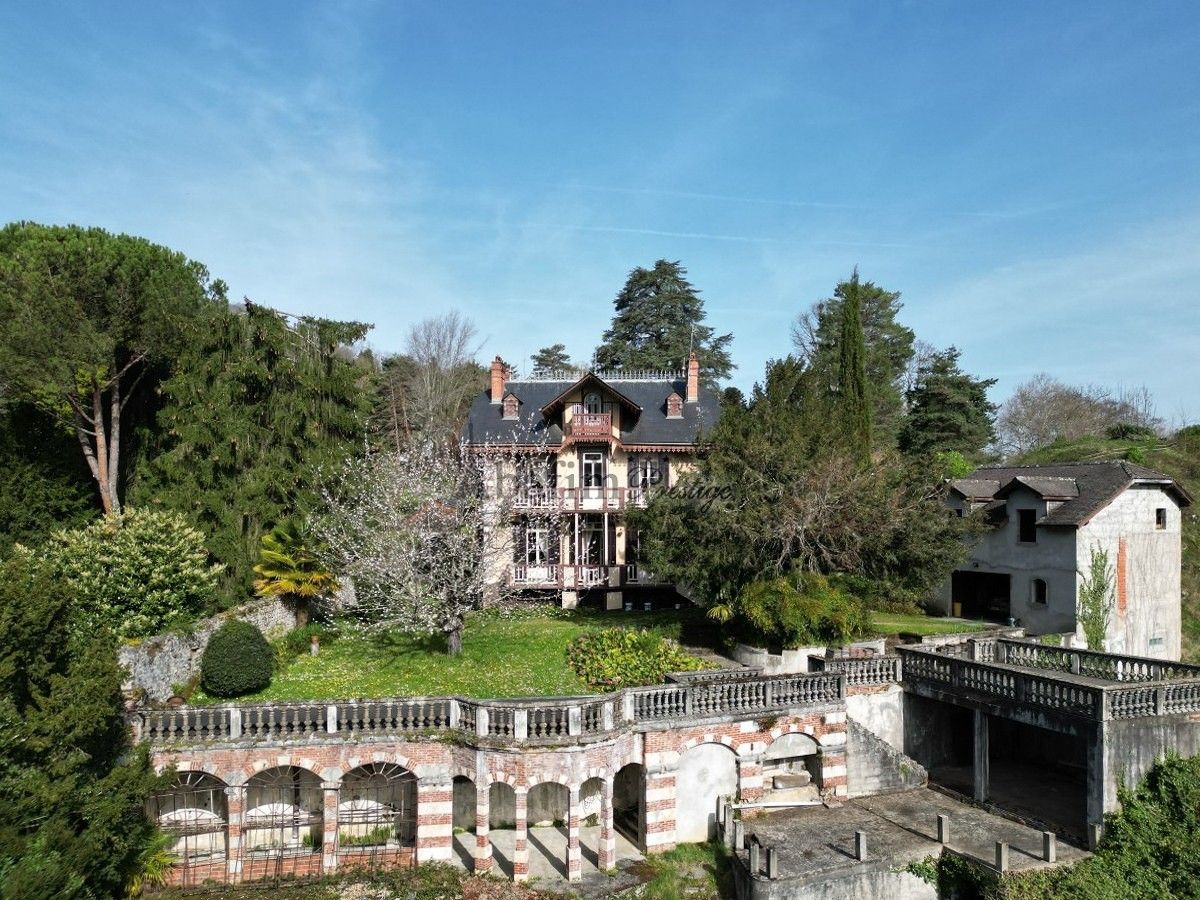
x: 522, y: 654
x: 900, y: 623
x: 518, y: 654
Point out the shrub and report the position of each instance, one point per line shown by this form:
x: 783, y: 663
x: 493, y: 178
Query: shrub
x: 624, y: 657
x: 795, y: 611
x: 1126, y: 431
x: 137, y: 574
x: 236, y: 661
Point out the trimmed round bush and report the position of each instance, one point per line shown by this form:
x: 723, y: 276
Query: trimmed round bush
x: 237, y: 661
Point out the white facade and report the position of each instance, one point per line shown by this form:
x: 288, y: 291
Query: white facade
x: 1140, y: 529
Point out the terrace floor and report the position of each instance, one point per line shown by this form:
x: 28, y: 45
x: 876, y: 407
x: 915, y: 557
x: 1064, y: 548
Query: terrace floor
x: 816, y: 843
x: 548, y: 855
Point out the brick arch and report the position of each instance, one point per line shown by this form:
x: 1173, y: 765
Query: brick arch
x: 501, y: 778
x: 722, y: 741
x: 193, y: 766
x: 281, y: 762
x: 557, y: 778
x: 357, y: 762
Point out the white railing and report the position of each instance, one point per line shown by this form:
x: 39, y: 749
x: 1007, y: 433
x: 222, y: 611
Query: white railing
x: 526, y: 574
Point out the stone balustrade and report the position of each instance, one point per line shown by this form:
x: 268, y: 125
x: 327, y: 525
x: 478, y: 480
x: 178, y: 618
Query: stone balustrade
x: 534, y: 721
x: 990, y: 675
x: 860, y: 671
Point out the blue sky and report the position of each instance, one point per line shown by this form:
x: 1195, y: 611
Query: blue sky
x: 1027, y: 174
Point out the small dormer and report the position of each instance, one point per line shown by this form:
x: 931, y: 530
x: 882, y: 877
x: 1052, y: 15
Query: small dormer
x: 512, y: 405
x: 674, y: 406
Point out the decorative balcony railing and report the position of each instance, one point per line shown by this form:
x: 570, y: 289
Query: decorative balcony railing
x: 521, y: 721
x: 1105, y: 666
x: 585, y: 425
x: 586, y: 499
x: 1059, y: 690
x: 583, y: 577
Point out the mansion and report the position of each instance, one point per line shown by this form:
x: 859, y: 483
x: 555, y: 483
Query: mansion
x: 577, y: 452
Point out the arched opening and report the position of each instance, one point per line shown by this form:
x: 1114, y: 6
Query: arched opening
x: 792, y: 768
x: 377, y: 813
x: 284, y: 822
x: 706, y: 774
x: 194, y: 815
x: 629, y: 808
x: 590, y: 812
x: 547, y: 812
x: 502, y: 816
x: 465, y: 796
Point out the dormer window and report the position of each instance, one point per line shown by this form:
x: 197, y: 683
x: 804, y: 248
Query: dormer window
x: 592, y: 403
x: 674, y: 407
x: 511, y: 406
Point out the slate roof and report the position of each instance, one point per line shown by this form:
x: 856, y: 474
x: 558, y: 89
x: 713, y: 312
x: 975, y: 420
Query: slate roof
x: 486, y: 423
x: 1086, y: 487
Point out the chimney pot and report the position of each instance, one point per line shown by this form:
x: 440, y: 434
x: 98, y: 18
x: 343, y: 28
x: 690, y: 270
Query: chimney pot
x: 693, y: 378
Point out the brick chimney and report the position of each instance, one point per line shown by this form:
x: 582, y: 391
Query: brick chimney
x: 693, y: 378
x: 499, y: 377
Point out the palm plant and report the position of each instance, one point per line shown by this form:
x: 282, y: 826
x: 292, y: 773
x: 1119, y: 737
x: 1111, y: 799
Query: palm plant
x: 290, y: 568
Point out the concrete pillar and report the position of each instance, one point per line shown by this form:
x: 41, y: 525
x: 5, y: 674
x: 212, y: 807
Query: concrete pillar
x: 660, y: 812
x: 1101, y: 795
x: 943, y: 829
x: 235, y: 800
x: 521, y: 836
x: 483, y: 820
x: 607, y: 851
x: 329, y: 840
x: 1049, y: 846
x: 435, y: 819
x: 613, y: 600
x: 570, y: 599
x: 574, y: 857
x: 750, y: 779
x: 982, y: 757
x: 1001, y: 856
x: 860, y: 845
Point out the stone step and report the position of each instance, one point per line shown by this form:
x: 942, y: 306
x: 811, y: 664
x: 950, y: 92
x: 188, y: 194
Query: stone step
x: 794, y: 780
x: 808, y: 793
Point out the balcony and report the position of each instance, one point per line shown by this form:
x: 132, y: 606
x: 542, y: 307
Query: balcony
x: 600, y: 499
x: 585, y: 426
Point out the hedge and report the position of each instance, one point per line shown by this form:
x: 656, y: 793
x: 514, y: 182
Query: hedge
x: 237, y: 661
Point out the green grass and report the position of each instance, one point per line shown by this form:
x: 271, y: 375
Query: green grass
x: 691, y: 871
x: 900, y: 623
x: 522, y: 654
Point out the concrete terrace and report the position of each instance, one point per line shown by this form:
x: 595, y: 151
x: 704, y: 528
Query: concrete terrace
x: 817, y: 844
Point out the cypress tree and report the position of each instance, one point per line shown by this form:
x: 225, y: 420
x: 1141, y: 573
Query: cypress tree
x: 853, y: 395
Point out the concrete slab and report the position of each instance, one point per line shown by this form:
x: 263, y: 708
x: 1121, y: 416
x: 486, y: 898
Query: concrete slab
x: 817, y: 843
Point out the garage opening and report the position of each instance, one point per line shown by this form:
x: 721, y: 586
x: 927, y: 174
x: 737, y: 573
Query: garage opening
x: 981, y: 595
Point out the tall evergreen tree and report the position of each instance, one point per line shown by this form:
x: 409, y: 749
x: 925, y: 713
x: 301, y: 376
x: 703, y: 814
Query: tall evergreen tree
x: 854, y: 399
x: 660, y: 319
x: 551, y: 359
x: 72, y: 790
x: 889, y: 349
x: 258, y: 406
x: 948, y: 409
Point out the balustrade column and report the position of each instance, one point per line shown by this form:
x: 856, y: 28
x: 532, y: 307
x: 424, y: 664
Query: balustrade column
x: 574, y: 856
x: 235, y: 800
x: 483, y: 821
x: 329, y: 842
x: 521, y: 836
x: 607, y: 851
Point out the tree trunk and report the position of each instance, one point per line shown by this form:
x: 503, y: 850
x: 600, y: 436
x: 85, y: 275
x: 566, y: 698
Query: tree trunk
x: 454, y: 640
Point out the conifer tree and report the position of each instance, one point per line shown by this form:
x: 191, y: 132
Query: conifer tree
x: 659, y: 320
x: 551, y: 359
x: 72, y: 790
x: 854, y: 401
x: 948, y: 409
x: 259, y: 404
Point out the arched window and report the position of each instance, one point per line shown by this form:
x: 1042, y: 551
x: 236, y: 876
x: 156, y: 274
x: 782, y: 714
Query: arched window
x: 378, y: 807
x: 194, y: 815
x: 592, y: 403
x: 1038, y: 592
x: 284, y: 812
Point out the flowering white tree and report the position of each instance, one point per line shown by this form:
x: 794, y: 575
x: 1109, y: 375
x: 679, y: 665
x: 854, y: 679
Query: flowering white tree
x: 423, y: 534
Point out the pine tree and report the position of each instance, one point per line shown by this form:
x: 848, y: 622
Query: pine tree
x: 259, y: 405
x: 948, y: 409
x: 659, y: 319
x: 854, y: 401
x: 551, y: 359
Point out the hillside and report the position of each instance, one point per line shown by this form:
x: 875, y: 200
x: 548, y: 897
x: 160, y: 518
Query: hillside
x: 1178, y: 457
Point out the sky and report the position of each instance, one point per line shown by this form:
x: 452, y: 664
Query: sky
x: 1026, y: 174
